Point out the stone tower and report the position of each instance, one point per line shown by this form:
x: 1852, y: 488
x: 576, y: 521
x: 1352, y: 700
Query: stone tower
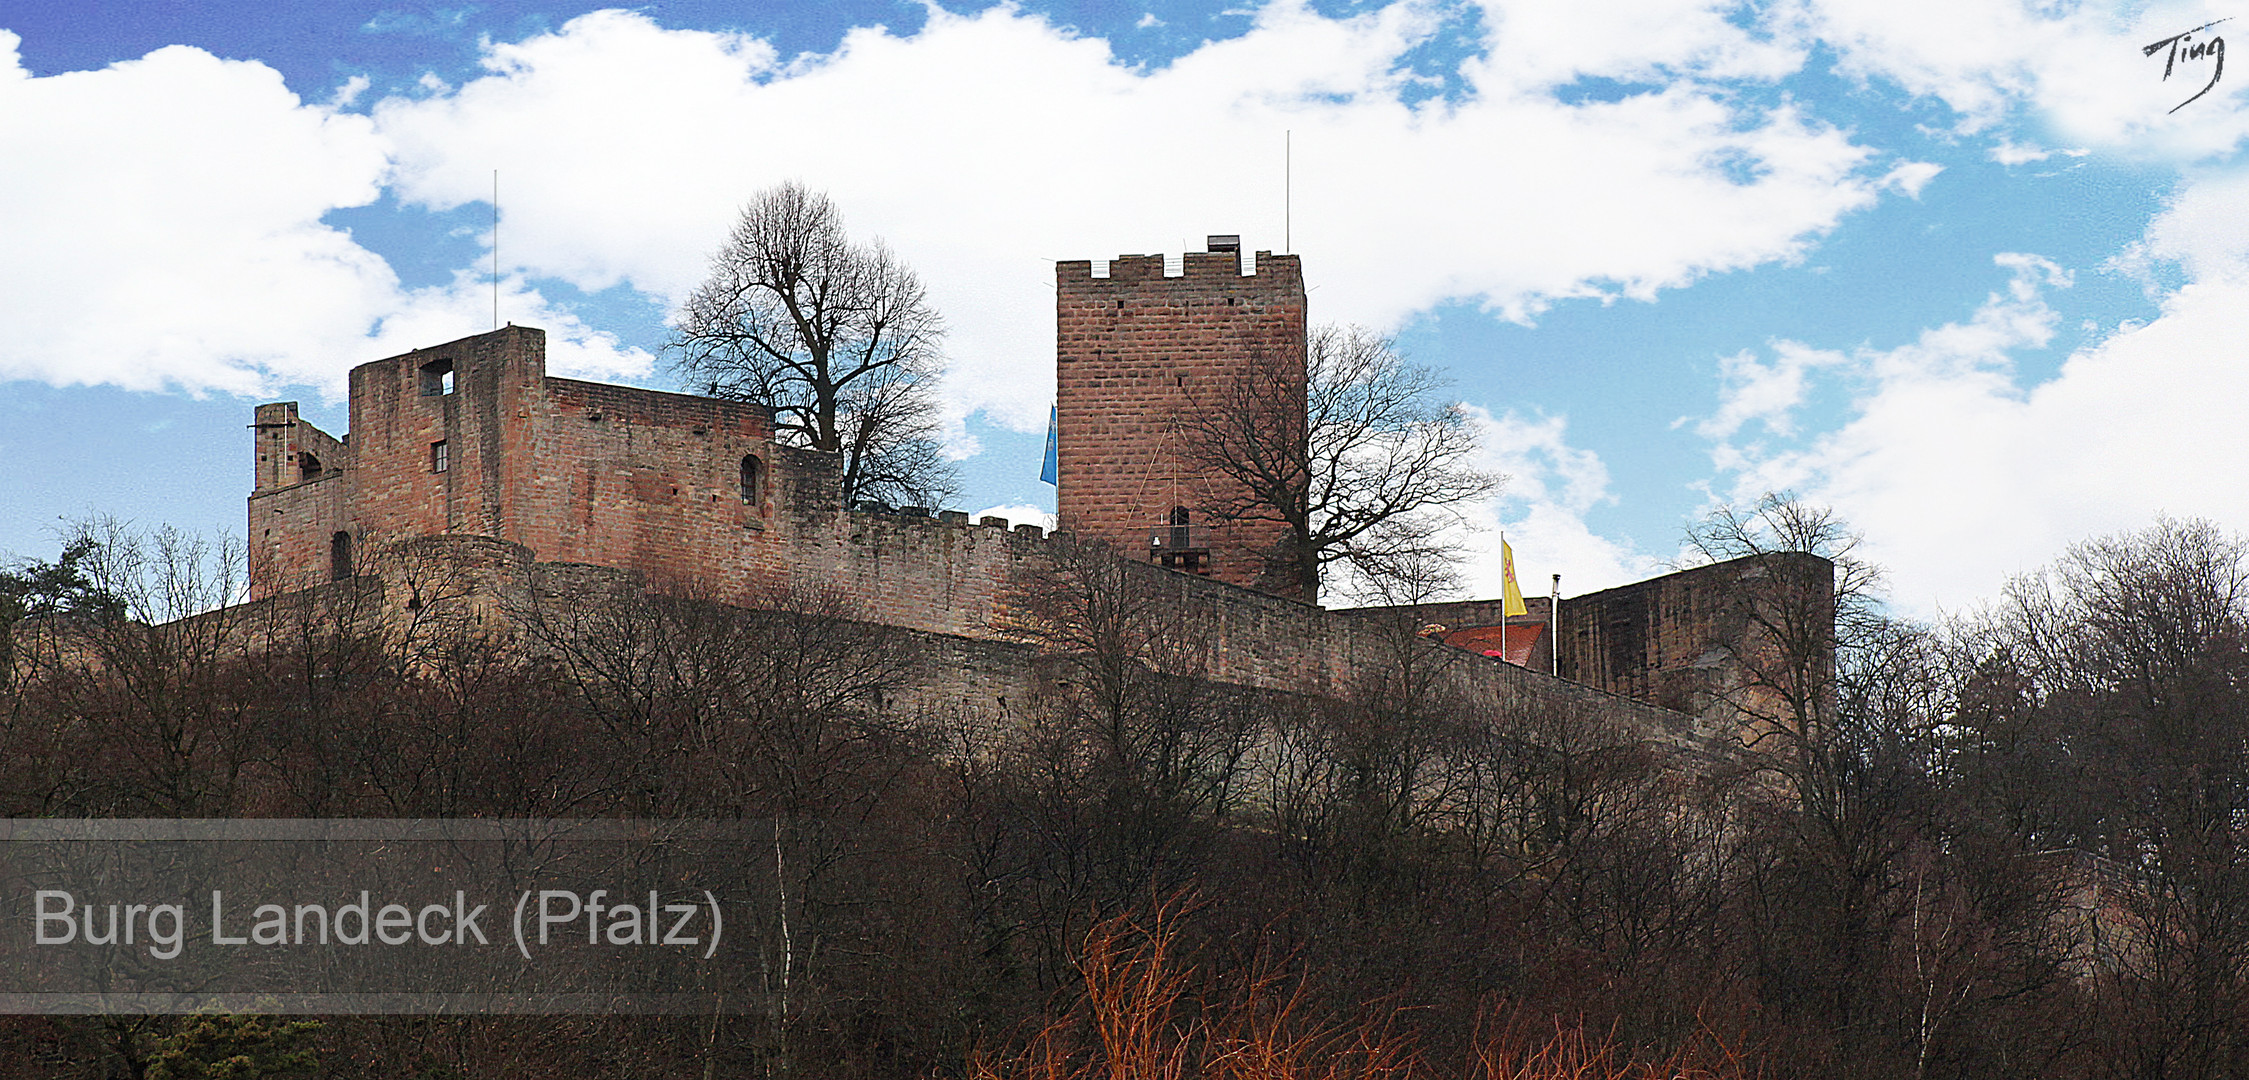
x: 1138, y: 350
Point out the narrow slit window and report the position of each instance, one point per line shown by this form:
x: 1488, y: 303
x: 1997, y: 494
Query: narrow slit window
x: 339, y: 556
x: 438, y: 458
x: 753, y: 479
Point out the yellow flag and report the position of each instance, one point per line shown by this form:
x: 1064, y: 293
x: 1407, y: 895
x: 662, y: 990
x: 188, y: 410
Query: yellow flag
x: 1511, y: 601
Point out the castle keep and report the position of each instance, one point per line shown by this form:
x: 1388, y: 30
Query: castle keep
x: 1135, y: 351
x: 471, y: 447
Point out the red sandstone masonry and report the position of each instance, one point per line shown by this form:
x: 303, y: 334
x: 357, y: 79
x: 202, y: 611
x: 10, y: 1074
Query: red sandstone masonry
x: 579, y: 472
x: 289, y: 534
x: 294, y: 507
x: 1662, y: 640
x: 1133, y: 351
x: 649, y: 483
x: 1458, y: 616
x: 1674, y: 642
x: 1679, y: 641
x: 291, y: 451
x: 646, y: 480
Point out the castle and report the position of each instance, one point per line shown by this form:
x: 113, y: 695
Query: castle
x: 472, y: 444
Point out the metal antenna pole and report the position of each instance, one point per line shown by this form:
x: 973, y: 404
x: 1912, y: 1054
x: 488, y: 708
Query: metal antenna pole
x: 495, y: 249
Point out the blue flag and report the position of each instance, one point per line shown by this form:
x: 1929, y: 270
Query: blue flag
x: 1053, y: 466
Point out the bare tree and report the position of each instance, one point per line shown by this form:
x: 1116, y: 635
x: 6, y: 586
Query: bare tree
x: 1370, y: 473
x: 1813, y: 624
x: 838, y: 337
x: 1875, y: 903
x: 1118, y: 784
x: 2110, y: 700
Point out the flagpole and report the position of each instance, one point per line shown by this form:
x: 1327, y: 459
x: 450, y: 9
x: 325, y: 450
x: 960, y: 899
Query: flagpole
x: 1554, y: 627
x: 1505, y: 570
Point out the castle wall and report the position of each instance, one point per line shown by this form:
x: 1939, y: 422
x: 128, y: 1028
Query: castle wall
x: 1463, y: 614
x: 1470, y: 624
x: 290, y: 450
x: 1270, y: 643
x: 291, y: 535
x: 648, y: 481
x: 1135, y: 351
x: 1679, y: 641
x: 576, y: 471
x: 969, y: 688
x: 298, y: 502
x: 1684, y: 642
x: 946, y: 577
x: 652, y: 484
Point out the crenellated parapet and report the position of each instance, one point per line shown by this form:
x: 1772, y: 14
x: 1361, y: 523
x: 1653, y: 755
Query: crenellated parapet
x: 1143, y: 347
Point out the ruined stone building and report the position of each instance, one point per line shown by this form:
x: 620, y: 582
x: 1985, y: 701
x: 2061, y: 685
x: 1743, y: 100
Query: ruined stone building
x: 471, y: 446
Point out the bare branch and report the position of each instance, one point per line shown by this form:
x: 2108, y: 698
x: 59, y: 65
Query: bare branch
x: 1359, y: 457
x: 838, y: 338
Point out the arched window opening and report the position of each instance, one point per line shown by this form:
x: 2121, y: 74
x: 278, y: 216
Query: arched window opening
x: 308, y: 467
x: 753, y: 479
x: 339, y: 556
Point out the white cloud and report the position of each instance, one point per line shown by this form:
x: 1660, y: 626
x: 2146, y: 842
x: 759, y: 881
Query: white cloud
x: 1540, y: 511
x: 626, y: 148
x: 1541, y: 45
x: 2077, y: 70
x: 1909, y: 178
x: 1550, y: 488
x: 349, y: 92
x: 2008, y: 152
x: 164, y: 230
x: 1979, y: 58
x: 168, y: 227
x: 163, y: 224
x: 426, y: 317
x: 1962, y: 475
x: 2203, y: 229
x: 1768, y: 393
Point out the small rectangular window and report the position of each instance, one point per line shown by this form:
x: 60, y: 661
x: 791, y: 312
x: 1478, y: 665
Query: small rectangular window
x: 437, y: 458
x: 437, y: 378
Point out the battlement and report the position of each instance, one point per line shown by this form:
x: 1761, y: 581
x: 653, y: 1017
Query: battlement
x: 1201, y: 266
x: 946, y: 519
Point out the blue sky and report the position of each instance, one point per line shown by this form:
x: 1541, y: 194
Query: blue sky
x: 1968, y: 271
